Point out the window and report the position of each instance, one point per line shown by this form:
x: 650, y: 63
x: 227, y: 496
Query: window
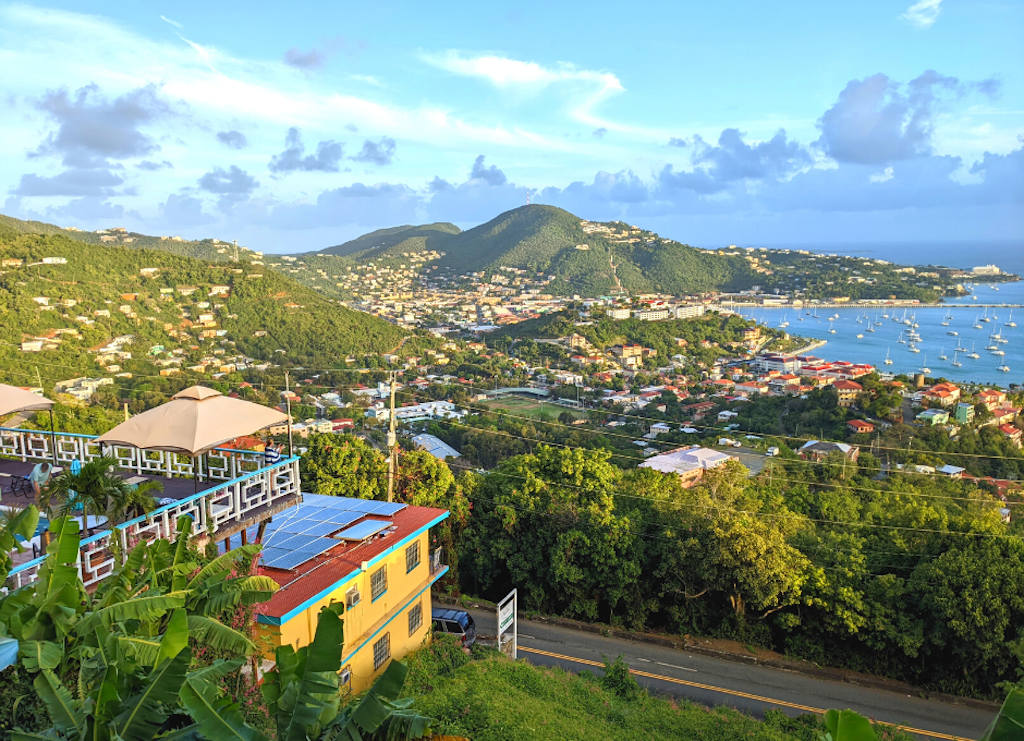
x: 378, y: 582
x: 381, y: 651
x: 412, y: 557
x: 415, y: 618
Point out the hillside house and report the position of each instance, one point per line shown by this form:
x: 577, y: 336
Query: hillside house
x: 1013, y: 434
x: 942, y: 395
x: 689, y: 464
x: 817, y: 450
x: 860, y: 427
x: 933, y: 417
x: 991, y: 398
x: 848, y: 391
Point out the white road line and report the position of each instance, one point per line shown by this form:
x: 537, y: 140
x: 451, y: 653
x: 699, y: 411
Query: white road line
x: 641, y: 658
x: 673, y: 666
x: 523, y: 635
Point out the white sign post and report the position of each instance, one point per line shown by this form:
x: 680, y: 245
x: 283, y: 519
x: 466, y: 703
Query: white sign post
x: 508, y: 625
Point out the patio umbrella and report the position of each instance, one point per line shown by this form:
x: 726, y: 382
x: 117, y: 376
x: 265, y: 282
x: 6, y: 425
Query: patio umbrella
x: 14, y: 399
x: 193, y: 422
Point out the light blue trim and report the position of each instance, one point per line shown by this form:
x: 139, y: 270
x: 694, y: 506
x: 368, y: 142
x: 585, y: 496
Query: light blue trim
x: 156, y: 512
x: 47, y: 433
x: 404, y: 607
x: 294, y: 612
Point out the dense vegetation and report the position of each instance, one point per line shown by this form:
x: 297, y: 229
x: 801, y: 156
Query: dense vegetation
x: 263, y: 313
x: 486, y: 697
x: 912, y: 576
x: 396, y: 240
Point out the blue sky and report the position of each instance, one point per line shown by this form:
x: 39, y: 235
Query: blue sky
x: 295, y: 127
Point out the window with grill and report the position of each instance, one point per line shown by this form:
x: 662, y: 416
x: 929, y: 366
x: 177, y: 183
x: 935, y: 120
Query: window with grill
x: 412, y: 557
x: 379, y: 582
x: 415, y: 618
x: 381, y: 651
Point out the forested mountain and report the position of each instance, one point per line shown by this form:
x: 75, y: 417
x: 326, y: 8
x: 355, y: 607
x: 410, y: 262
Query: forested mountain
x: 395, y: 240
x: 598, y: 259
x: 205, y: 249
x: 75, y: 298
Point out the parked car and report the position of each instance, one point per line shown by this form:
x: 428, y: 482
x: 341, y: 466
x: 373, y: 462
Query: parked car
x: 772, y: 452
x: 455, y: 622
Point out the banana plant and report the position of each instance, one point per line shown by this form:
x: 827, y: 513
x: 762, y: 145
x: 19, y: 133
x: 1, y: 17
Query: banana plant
x: 1009, y: 723
x: 20, y: 523
x: 302, y: 693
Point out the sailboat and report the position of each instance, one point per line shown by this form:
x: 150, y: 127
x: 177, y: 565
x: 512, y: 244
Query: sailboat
x: 945, y: 319
x: 830, y: 330
x: 900, y: 339
x: 888, y: 360
x: 1004, y: 368
x: 784, y: 322
x: 913, y: 348
x: 924, y: 366
x: 999, y: 352
x: 942, y: 355
x: 992, y: 344
x: 956, y: 362
x: 977, y: 323
x: 973, y: 355
x: 953, y: 333
x: 985, y: 317
x: 1010, y: 322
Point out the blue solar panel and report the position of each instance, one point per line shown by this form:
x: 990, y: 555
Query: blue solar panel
x: 269, y: 554
x: 343, y: 518
x: 362, y: 505
x: 292, y: 542
x: 288, y: 561
x: 296, y: 526
x: 322, y: 528
x: 335, y: 502
x: 315, y: 546
x: 389, y: 508
x: 363, y: 530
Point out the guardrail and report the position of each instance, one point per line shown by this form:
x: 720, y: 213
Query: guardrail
x: 221, y: 464
x: 210, y: 510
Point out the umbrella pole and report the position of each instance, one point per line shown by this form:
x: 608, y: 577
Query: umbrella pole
x: 53, y: 438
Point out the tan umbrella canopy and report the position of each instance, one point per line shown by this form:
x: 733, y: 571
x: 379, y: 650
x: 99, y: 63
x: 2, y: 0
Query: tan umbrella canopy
x: 194, y: 421
x: 14, y: 399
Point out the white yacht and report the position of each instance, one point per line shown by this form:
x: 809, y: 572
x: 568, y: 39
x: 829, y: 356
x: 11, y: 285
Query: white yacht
x: 888, y: 360
x: 830, y: 330
x: 945, y: 319
x: 860, y: 337
x: 924, y: 366
x: 1010, y: 322
x: 956, y: 362
x: 942, y: 355
x: 972, y: 354
x: 913, y: 348
x: 901, y: 340
x: 953, y: 333
x: 985, y: 317
x: 1004, y: 368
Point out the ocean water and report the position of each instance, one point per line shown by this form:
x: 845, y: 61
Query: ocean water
x: 873, y: 346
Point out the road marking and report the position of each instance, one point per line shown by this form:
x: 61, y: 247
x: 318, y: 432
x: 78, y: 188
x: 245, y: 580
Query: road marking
x: 641, y: 658
x: 523, y: 635
x: 673, y: 666
x: 734, y: 693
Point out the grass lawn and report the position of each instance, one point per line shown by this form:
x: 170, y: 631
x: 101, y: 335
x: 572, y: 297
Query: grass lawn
x: 535, y: 409
x: 488, y: 697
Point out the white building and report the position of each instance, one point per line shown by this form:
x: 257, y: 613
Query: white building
x: 688, y: 463
x: 436, y: 447
x: 689, y: 312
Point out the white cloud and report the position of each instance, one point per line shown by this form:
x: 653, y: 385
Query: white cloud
x: 368, y: 79
x: 923, y: 13
x: 883, y: 176
x: 177, y: 25
x: 588, y: 88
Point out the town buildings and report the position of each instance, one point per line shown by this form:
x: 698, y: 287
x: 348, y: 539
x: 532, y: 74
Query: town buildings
x: 689, y: 464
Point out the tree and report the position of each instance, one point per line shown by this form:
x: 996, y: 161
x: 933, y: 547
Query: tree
x: 344, y: 466
x: 98, y: 490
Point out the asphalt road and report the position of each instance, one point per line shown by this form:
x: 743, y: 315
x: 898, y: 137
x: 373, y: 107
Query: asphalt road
x: 753, y: 689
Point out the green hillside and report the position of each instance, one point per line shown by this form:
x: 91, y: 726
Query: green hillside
x: 395, y: 241
x: 204, y: 249
x: 192, y: 308
x: 547, y: 240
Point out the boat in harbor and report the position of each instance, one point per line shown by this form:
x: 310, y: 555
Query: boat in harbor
x: 913, y: 348
x: 1004, y: 368
x: 924, y: 366
x: 972, y: 354
x: 945, y: 319
x: 985, y: 317
x: 888, y: 360
x: 956, y: 362
x: 830, y: 329
x: 942, y: 355
x: 953, y: 333
x: 1010, y: 322
x: 900, y: 339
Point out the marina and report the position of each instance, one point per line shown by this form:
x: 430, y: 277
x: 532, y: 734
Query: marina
x: 971, y: 339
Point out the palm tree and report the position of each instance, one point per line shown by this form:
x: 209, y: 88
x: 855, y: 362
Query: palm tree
x: 96, y: 487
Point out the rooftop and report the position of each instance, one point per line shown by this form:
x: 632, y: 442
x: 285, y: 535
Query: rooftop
x: 685, y: 460
x: 387, y: 526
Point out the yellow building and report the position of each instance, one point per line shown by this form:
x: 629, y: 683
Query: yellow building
x: 382, y: 568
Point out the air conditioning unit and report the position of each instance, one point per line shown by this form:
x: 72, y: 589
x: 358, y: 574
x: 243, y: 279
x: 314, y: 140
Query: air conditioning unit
x: 352, y: 597
x: 346, y: 675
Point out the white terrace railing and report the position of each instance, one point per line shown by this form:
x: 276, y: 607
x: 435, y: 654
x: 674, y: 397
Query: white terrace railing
x: 230, y: 502
x: 221, y: 464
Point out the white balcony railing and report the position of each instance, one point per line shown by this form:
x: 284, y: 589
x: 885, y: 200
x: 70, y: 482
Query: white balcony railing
x: 214, y: 509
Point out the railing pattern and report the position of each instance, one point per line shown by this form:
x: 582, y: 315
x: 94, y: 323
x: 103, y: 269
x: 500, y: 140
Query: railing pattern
x: 435, y: 561
x: 210, y: 510
x: 220, y: 464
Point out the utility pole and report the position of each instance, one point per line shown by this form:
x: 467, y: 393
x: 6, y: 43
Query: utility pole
x: 39, y: 378
x: 392, y: 441
x: 288, y: 411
